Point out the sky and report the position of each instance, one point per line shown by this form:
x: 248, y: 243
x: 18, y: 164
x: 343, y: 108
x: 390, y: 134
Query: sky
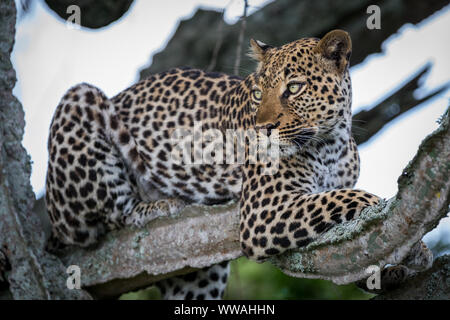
x: 49, y: 58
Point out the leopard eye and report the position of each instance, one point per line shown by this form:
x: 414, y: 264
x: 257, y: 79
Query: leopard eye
x: 257, y: 95
x: 295, y: 87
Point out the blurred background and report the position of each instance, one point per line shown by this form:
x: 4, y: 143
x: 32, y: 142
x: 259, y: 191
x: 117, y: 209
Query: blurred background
x: 400, y: 74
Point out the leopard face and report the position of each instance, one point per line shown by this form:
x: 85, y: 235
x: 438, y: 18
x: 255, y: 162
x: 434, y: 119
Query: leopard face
x: 303, y: 89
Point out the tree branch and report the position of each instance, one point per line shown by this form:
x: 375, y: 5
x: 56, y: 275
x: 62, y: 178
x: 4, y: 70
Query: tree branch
x: 131, y: 258
x: 218, y: 44
x: 94, y: 14
x: 296, y: 19
x: 237, y: 62
x: 367, y: 123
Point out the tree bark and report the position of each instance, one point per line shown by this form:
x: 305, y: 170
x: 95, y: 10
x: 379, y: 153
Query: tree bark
x: 131, y: 258
x: 34, y: 273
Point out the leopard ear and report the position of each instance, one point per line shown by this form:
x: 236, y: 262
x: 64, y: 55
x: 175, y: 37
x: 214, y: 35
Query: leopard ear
x: 258, y: 49
x: 334, y: 50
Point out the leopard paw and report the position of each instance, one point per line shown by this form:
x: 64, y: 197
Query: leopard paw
x: 388, y: 279
x: 170, y: 207
x: 175, y: 206
x: 393, y: 276
x: 420, y: 258
x: 145, y: 212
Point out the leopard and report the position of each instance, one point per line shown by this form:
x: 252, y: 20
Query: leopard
x: 111, y: 161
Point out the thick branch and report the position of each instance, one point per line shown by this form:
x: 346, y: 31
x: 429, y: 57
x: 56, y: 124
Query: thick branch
x: 129, y: 259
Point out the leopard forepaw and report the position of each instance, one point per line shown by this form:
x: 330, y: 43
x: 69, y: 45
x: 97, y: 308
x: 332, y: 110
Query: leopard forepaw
x: 420, y: 258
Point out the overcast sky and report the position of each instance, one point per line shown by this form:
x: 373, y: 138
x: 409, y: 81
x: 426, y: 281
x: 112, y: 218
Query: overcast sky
x: 49, y: 58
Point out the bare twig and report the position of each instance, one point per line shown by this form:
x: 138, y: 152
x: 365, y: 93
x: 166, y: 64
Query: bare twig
x: 237, y: 63
x: 215, y: 54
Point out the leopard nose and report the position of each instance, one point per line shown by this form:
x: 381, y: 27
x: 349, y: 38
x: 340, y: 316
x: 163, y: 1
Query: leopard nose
x: 268, y: 126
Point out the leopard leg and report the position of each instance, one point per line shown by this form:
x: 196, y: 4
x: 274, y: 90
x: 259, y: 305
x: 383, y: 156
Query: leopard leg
x: 91, y: 185
x: 143, y: 212
x: 206, y: 284
x: 292, y: 220
x: 136, y: 211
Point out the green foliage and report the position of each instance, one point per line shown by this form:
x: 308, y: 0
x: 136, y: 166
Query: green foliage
x: 250, y: 280
x: 150, y: 293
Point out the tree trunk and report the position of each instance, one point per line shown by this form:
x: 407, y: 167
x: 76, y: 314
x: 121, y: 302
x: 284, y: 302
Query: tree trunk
x: 34, y: 273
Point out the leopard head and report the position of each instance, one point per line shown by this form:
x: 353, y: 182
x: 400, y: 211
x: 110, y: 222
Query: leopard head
x: 303, y: 89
